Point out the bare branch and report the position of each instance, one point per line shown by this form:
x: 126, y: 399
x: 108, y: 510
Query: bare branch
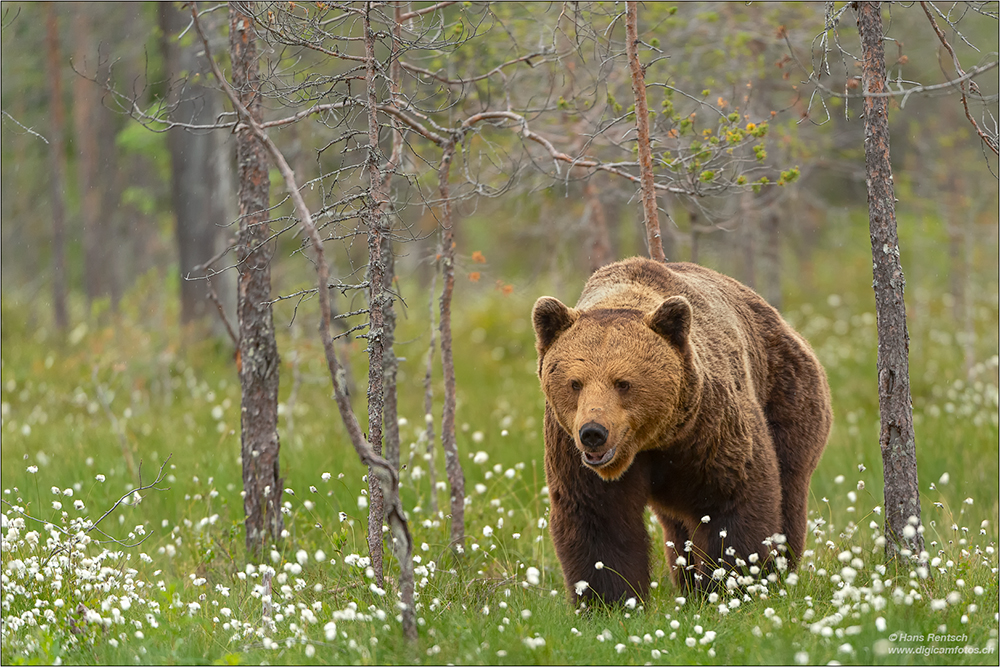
x: 991, y: 142
x: 426, y: 10
x: 26, y: 129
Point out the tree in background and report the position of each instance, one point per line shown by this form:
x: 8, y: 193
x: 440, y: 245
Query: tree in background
x: 94, y: 132
x: 58, y: 176
x: 201, y: 172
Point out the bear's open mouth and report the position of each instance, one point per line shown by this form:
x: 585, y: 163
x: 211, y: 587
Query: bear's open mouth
x: 597, y: 460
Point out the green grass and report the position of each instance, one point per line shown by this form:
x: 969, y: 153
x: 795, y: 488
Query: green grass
x: 184, y: 594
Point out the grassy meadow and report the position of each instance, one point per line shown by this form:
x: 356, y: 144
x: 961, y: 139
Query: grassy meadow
x: 164, y: 578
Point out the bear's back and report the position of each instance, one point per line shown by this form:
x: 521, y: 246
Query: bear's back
x: 642, y: 284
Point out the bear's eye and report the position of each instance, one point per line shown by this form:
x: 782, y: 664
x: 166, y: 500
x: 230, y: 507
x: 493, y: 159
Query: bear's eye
x: 622, y: 385
x: 576, y: 385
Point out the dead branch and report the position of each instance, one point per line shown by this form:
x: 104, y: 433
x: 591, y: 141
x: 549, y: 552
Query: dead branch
x: 991, y: 142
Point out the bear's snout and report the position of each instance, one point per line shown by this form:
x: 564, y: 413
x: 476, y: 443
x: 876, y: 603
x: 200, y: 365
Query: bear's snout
x: 593, y: 435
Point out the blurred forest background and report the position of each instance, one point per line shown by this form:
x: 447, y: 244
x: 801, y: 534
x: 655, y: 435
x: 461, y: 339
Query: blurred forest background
x: 89, y: 90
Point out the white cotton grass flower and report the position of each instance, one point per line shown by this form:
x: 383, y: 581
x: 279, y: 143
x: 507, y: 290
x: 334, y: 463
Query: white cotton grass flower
x: 532, y: 576
x: 599, y: 565
x: 582, y: 585
x: 481, y: 457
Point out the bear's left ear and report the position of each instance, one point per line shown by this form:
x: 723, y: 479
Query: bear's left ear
x: 550, y: 317
x: 672, y: 320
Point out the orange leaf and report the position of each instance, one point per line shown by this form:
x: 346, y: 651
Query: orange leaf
x: 478, y: 257
x: 474, y: 276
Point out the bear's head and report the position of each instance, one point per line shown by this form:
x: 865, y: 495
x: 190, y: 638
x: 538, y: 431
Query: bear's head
x: 615, y: 378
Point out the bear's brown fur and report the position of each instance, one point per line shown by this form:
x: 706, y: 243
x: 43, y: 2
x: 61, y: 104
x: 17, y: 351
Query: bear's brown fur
x: 673, y: 386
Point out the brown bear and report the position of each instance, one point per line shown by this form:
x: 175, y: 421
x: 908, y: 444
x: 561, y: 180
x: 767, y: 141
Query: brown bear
x: 673, y: 386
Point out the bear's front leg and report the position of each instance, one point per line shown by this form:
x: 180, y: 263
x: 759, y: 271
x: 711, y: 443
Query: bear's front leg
x: 596, y: 526
x: 733, y: 542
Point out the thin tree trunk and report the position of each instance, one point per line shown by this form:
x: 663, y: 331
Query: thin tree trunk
x: 378, y: 302
x: 390, y: 364
x: 453, y: 467
x: 600, y: 244
x: 896, y: 438
x: 771, y: 256
x: 86, y: 106
x: 695, y: 237
x: 747, y: 215
x: 647, y: 191
x: 197, y: 166
x: 968, y: 304
x: 112, y: 251
x: 258, y: 351
x: 429, y: 401
x: 58, y: 175
x: 95, y: 134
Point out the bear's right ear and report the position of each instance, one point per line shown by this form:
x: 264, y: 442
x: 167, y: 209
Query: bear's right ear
x: 550, y: 317
x: 672, y: 320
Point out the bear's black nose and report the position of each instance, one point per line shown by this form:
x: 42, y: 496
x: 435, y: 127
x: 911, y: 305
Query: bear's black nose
x: 593, y: 435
